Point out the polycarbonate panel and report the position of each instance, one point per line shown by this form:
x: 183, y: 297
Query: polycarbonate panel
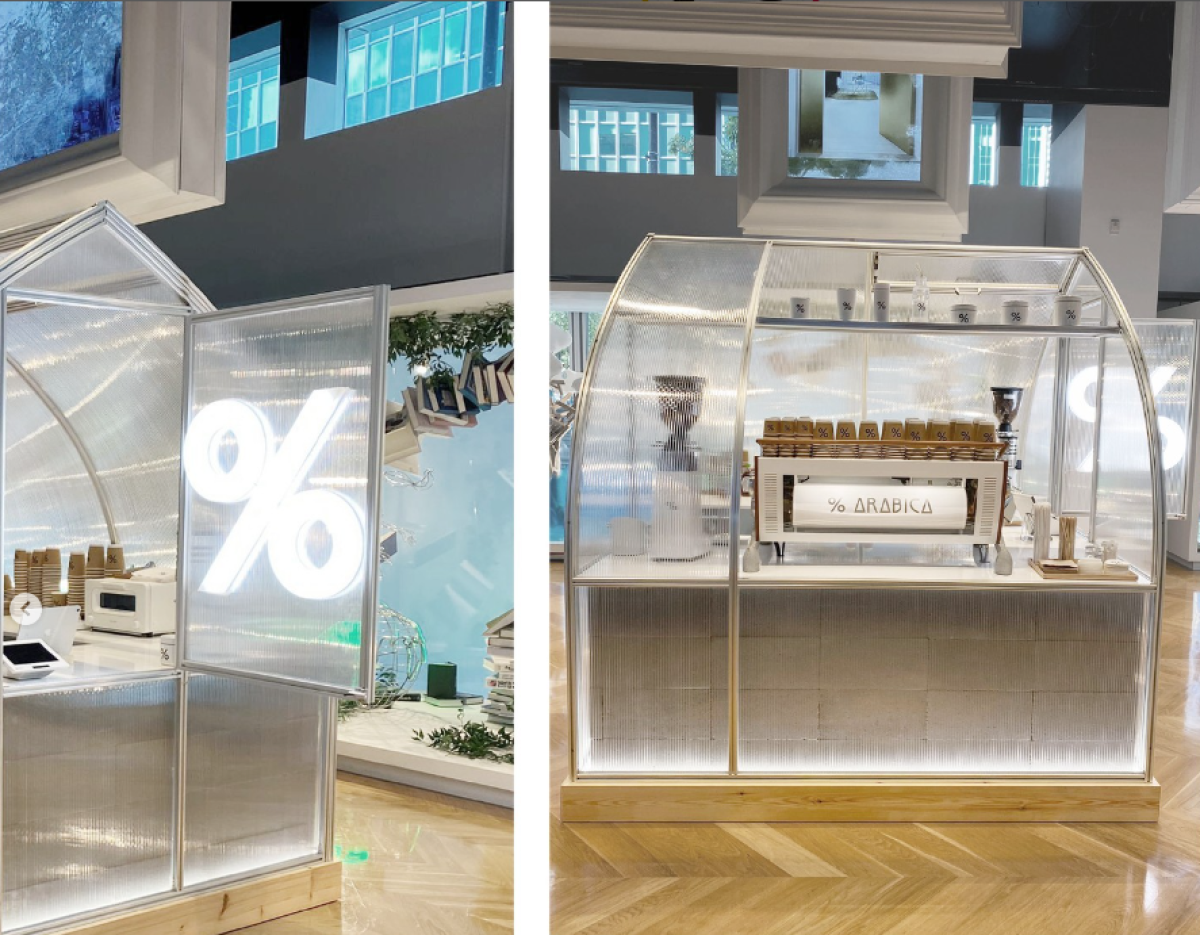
x: 1035, y: 427
x: 255, y: 782
x: 101, y: 264
x: 278, y: 553
x: 814, y: 273
x: 118, y: 378
x: 1043, y: 271
x: 983, y: 682
x: 49, y: 498
x: 89, y: 787
x: 653, y: 443
x: 652, y: 688
x: 1169, y: 346
x: 1124, y: 493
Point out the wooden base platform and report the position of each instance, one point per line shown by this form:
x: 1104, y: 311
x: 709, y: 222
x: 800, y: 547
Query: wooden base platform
x: 746, y: 800
x: 229, y: 908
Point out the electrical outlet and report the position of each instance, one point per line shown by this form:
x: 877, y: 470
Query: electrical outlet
x: 1114, y: 226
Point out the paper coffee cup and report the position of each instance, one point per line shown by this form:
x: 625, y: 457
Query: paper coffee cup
x: 801, y: 307
x: 1068, y: 310
x: 1014, y: 312
x: 962, y: 314
x: 881, y: 301
x: 847, y: 299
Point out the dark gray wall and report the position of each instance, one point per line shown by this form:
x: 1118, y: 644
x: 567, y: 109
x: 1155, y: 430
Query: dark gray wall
x: 597, y: 219
x: 418, y: 198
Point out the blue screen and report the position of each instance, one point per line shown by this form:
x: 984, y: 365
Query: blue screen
x: 60, y: 76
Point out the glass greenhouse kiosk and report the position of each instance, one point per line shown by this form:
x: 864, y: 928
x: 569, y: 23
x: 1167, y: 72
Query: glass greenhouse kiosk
x: 749, y: 648
x: 242, y: 449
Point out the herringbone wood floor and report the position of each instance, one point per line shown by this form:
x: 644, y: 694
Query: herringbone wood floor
x: 901, y: 879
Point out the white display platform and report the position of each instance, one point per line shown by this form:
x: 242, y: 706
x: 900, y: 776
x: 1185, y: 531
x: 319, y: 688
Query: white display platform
x: 380, y: 744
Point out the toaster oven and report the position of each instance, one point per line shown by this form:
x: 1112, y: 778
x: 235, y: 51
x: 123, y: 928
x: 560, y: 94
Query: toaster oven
x: 130, y: 605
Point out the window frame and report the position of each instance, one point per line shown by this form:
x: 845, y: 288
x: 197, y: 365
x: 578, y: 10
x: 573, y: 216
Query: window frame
x: 1042, y: 124
x: 390, y: 11
x: 642, y: 102
x: 994, y: 123
x: 256, y: 61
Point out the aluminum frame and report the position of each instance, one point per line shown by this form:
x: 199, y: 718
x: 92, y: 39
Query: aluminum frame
x: 1112, y: 309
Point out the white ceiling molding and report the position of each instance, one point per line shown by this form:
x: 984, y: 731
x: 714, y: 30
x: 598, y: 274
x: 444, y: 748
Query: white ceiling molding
x: 771, y: 203
x: 168, y: 157
x: 965, y: 38
x: 1182, y: 193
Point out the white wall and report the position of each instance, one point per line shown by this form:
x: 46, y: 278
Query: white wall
x: 1124, y: 175
x: 1065, y: 194
x: 1179, y: 266
x: 1007, y: 213
x: 1109, y: 164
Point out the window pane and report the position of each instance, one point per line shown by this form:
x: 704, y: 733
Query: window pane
x: 608, y: 140
x: 231, y: 113
x: 624, y: 130
x: 377, y: 103
x: 356, y: 71
x: 379, y: 64
x: 401, y: 96
x: 354, y: 110
x: 270, y: 106
x: 356, y: 39
x: 267, y: 136
x: 430, y: 41
x: 249, y: 113
x: 402, y: 54
x: 478, y: 27
x: 454, y: 79
x: 475, y: 74
x: 456, y: 39
x: 609, y: 165
x: 427, y: 89
x: 248, y: 142
x: 231, y: 147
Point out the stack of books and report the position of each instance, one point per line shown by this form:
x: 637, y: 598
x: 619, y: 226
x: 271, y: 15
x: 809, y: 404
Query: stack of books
x: 499, y: 663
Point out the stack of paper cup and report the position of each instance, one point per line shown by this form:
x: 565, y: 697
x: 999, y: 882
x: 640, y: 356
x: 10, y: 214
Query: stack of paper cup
x: 21, y: 570
x: 51, y: 577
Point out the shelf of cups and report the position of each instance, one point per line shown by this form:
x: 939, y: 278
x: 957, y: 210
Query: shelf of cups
x: 930, y: 327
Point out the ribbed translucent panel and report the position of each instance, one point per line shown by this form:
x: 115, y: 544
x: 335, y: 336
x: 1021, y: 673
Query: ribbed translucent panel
x: 1169, y: 346
x: 991, y: 271
x: 89, y: 785
x: 1079, y: 425
x: 814, y: 273
x: 877, y: 376
x: 1035, y: 426
x: 986, y: 682
x: 117, y: 377
x: 49, y: 498
x: 656, y: 440
x: 255, y: 783
x: 264, y: 619
x: 652, y: 690
x: 101, y: 264
x: 1124, y: 494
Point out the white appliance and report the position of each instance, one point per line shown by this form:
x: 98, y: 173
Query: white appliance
x: 29, y: 659
x: 130, y: 605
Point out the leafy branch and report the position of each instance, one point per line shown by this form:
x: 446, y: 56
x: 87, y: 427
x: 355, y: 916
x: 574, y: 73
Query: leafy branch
x: 473, y: 740
x: 427, y: 340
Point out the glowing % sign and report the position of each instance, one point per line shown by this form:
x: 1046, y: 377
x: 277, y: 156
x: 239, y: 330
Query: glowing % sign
x: 275, y: 516
x: 1174, y: 442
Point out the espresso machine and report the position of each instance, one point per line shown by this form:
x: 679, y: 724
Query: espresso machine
x: 677, y: 521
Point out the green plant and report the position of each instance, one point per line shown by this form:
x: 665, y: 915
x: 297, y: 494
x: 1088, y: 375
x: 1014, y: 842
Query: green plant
x: 828, y: 167
x: 426, y: 340
x: 681, y: 145
x: 473, y: 740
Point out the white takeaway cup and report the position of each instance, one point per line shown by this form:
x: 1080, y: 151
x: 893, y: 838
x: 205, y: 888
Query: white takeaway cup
x: 847, y: 299
x: 801, y: 307
x: 1014, y: 312
x: 1068, y: 310
x: 881, y: 301
x: 628, y: 535
x: 962, y: 314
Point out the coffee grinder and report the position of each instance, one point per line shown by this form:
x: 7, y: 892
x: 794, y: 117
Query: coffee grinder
x: 677, y: 522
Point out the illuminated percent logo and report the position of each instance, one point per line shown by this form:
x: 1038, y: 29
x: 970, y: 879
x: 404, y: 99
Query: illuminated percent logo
x: 275, y: 516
